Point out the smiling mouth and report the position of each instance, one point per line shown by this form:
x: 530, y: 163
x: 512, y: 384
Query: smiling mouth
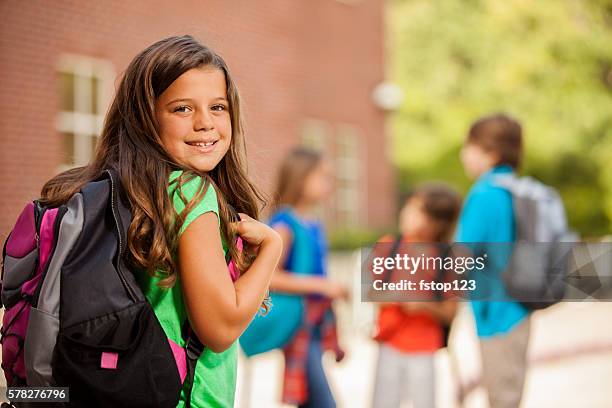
x: 202, y: 144
x: 203, y: 147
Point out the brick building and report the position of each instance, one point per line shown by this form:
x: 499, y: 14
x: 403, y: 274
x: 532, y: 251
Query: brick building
x: 305, y: 69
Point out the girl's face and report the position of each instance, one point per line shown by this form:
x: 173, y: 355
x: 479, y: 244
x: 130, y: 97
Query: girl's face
x: 194, y: 119
x: 318, y: 184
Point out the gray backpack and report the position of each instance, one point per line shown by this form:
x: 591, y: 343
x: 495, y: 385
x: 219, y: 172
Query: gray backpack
x: 538, y: 266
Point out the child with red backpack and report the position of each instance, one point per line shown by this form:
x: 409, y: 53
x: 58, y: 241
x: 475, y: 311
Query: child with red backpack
x: 410, y: 332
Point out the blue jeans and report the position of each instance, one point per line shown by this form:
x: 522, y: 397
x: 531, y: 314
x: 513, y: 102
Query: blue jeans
x: 319, y: 393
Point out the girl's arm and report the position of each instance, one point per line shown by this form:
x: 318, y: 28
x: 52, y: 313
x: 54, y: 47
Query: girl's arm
x: 284, y: 281
x: 219, y: 310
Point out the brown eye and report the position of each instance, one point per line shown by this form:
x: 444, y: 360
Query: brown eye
x: 182, y: 109
x: 219, y: 108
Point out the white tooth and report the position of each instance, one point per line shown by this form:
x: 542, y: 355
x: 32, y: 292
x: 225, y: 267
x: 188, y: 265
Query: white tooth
x: 203, y: 144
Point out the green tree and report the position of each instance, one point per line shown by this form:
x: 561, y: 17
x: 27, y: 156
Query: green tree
x: 549, y: 63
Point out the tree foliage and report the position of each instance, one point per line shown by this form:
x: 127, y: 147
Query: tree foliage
x: 548, y: 63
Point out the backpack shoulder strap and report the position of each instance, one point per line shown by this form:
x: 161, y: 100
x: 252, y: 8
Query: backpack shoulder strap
x: 193, y: 350
x: 234, y: 217
x: 394, y: 248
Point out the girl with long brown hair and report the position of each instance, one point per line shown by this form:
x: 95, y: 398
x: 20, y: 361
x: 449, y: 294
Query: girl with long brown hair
x: 174, y: 134
x: 302, y: 321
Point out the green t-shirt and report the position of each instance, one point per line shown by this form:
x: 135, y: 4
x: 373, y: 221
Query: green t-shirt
x: 215, y: 375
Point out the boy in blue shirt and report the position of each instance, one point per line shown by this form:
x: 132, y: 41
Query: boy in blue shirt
x: 494, y: 147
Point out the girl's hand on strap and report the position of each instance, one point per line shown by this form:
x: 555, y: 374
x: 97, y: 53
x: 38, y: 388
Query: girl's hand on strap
x: 219, y: 310
x: 255, y: 233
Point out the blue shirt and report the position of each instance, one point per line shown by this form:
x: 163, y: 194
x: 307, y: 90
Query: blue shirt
x: 487, y: 217
x: 308, y: 251
x: 307, y: 255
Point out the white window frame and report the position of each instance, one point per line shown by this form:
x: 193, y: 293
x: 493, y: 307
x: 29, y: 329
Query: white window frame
x: 350, y: 186
x: 82, y: 122
x: 315, y: 134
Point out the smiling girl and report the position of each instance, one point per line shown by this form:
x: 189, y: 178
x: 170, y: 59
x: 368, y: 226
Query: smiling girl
x: 174, y: 134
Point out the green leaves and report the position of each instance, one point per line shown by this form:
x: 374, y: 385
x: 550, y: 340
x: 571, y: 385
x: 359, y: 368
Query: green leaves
x: 549, y: 63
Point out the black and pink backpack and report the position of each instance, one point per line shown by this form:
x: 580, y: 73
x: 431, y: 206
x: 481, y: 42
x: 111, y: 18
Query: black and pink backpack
x: 74, y: 313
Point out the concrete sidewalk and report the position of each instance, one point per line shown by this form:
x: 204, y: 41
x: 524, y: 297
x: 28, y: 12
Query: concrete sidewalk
x: 570, y: 354
x: 570, y: 359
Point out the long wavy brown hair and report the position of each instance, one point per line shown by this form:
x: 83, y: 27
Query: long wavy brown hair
x: 130, y: 144
x: 294, y: 169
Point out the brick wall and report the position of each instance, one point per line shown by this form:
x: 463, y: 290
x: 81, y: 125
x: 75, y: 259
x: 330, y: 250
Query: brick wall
x: 292, y: 60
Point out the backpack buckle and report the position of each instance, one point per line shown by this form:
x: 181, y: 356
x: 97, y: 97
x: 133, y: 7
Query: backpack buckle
x: 193, y: 348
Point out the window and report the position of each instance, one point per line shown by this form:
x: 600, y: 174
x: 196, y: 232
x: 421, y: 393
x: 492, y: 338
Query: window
x: 349, y: 2
x: 315, y: 134
x: 349, y: 188
x: 85, y: 87
x: 349, y: 184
